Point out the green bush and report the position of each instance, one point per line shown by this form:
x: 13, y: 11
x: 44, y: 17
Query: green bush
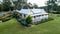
x: 50, y: 18
x: 29, y: 20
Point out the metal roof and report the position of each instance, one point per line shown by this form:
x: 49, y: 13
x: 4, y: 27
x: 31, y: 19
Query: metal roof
x: 34, y: 11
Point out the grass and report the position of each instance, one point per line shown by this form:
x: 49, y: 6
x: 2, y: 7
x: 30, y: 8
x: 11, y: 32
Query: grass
x: 14, y: 27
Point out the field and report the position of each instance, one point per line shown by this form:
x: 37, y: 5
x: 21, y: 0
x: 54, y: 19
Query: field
x: 14, y: 27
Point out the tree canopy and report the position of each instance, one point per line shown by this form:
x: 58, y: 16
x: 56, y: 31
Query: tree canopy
x: 1, y: 7
x: 51, y: 5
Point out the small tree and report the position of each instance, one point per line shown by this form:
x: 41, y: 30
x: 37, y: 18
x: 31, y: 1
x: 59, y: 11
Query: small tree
x: 29, y: 19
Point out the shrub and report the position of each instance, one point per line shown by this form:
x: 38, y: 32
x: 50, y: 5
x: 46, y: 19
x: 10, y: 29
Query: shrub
x: 14, y: 14
x: 29, y: 19
x: 51, y: 18
x: 46, y: 20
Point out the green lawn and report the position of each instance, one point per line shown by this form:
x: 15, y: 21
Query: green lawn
x: 14, y: 27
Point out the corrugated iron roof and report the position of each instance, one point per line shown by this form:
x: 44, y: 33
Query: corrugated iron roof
x: 34, y: 11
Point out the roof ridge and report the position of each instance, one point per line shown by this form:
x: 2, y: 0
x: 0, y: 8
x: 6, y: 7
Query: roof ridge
x: 31, y: 11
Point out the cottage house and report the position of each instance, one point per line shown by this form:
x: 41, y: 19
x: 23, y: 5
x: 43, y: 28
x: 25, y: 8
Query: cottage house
x: 36, y: 14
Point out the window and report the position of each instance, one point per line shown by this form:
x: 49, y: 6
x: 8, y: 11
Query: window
x: 39, y: 15
x: 42, y: 14
x: 34, y: 16
x: 24, y: 15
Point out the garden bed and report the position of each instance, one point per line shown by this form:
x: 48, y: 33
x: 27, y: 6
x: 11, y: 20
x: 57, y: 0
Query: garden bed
x: 5, y: 17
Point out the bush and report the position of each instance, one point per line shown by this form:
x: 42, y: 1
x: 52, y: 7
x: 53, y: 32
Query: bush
x: 44, y: 20
x: 14, y: 14
x: 50, y: 18
x: 29, y: 20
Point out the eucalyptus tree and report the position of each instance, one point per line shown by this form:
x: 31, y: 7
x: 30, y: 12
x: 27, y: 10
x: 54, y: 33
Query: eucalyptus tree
x: 35, y: 5
x: 19, y: 4
x: 6, y: 5
x: 1, y: 7
x: 51, y: 5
